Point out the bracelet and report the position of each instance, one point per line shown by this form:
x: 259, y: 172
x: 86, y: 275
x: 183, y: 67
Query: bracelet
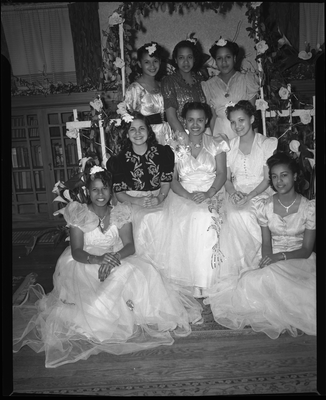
x: 284, y: 256
x: 163, y: 194
x: 118, y: 255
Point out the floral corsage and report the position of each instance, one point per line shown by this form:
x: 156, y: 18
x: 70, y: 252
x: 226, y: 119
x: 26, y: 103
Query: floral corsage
x: 179, y: 142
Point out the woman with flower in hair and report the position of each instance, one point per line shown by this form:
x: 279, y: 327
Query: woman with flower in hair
x: 143, y: 169
x: 279, y: 293
x: 247, y: 182
x: 228, y: 86
x: 184, y: 85
x: 144, y: 95
x: 105, y: 298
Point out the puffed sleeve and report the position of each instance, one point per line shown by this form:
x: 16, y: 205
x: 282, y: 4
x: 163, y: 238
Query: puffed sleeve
x: 77, y: 214
x: 311, y: 215
x: 168, y: 92
x: 252, y: 84
x: 121, y: 215
x: 218, y: 144
x: 260, y: 209
x: 166, y: 163
x: 133, y: 97
x: 269, y: 146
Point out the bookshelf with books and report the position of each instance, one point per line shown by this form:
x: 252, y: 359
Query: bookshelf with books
x: 42, y: 154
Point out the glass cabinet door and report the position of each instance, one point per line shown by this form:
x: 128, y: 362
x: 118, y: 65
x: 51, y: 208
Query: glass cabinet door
x: 28, y: 175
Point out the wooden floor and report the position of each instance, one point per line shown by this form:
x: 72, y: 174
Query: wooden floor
x: 203, y: 364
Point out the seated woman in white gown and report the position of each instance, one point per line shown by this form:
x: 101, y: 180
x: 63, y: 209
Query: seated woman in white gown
x: 191, y: 227
x: 247, y: 182
x: 105, y: 298
x: 279, y: 294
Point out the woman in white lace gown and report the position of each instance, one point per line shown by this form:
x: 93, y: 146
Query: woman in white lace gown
x: 279, y: 294
x: 247, y: 182
x: 105, y: 298
x: 144, y: 95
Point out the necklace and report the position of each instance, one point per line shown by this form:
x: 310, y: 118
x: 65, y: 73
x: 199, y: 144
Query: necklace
x: 101, y: 220
x: 287, y: 207
x: 197, y: 145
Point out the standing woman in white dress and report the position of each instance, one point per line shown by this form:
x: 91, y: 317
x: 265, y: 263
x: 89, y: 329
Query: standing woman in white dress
x: 247, y: 182
x: 279, y: 294
x: 144, y: 95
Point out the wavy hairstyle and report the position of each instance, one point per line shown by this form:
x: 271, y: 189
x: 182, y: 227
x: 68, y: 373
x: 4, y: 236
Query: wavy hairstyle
x: 232, y: 46
x: 196, y: 51
x: 124, y: 141
x: 279, y: 158
x: 106, y: 178
x: 158, y: 53
x: 243, y: 105
x: 196, y: 105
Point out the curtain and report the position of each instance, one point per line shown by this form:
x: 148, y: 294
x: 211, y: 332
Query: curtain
x: 284, y: 16
x: 40, y: 41
x: 85, y: 27
x: 312, y: 24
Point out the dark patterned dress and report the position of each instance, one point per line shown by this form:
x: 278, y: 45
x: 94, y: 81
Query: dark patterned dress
x: 134, y: 173
x: 177, y: 92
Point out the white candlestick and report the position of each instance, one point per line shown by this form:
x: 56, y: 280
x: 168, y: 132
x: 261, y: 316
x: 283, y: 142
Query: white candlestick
x: 79, y: 150
x: 100, y: 123
x: 123, y: 69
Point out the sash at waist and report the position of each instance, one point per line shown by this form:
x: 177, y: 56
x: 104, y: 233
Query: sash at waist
x: 140, y: 193
x: 156, y: 119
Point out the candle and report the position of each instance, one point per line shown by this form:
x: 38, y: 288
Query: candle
x: 123, y: 69
x: 79, y: 150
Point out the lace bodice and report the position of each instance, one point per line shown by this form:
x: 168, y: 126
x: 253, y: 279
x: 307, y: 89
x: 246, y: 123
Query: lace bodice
x: 79, y: 215
x: 287, y: 232
x: 247, y: 170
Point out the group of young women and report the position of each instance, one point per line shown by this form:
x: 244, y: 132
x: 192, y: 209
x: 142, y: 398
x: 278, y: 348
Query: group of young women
x: 206, y: 208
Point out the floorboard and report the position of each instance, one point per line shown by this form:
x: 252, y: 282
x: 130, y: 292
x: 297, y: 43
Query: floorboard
x: 205, y: 363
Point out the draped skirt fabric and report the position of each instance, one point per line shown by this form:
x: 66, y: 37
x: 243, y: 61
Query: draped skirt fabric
x: 280, y: 297
x: 132, y: 310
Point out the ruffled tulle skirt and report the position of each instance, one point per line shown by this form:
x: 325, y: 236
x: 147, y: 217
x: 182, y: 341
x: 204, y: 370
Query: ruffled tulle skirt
x: 132, y: 310
x: 181, y: 239
x: 280, y: 297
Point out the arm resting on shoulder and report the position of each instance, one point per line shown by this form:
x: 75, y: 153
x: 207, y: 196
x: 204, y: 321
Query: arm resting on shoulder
x: 213, y: 119
x: 171, y: 115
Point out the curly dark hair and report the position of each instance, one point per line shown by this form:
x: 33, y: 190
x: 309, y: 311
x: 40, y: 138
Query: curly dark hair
x: 196, y: 51
x: 279, y: 158
x: 106, y: 178
x: 243, y: 105
x: 196, y: 105
x: 158, y: 53
x: 125, y: 143
x: 232, y: 46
